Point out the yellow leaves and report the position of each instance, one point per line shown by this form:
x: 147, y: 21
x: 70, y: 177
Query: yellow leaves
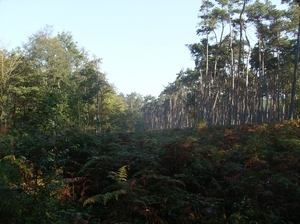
x: 21, y: 164
x: 11, y: 158
x: 121, y: 175
x: 92, y: 199
x: 201, y: 126
x: 48, y: 214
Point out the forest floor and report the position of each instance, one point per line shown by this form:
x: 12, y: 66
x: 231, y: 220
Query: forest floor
x: 245, y: 174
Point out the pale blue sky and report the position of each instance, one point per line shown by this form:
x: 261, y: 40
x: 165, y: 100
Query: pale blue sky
x: 141, y: 42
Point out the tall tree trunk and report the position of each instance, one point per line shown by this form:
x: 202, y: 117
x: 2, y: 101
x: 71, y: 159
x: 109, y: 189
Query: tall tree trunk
x: 291, y: 114
x: 277, y: 84
x: 209, y: 80
x: 246, y: 109
x: 1, y: 91
x: 232, y: 102
x: 213, y: 113
x: 240, y: 58
x: 98, y: 125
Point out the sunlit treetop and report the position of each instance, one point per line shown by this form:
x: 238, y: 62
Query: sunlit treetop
x: 290, y: 1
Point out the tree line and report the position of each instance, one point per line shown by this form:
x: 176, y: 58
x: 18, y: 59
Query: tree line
x: 50, y: 83
x: 245, y: 72
x: 244, y: 68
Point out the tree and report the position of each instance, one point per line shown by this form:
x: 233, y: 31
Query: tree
x: 233, y: 82
x: 8, y: 63
x: 296, y: 64
x: 131, y: 116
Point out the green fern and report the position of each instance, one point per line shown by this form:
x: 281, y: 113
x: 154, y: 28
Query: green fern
x: 94, y: 161
x: 121, y: 175
x: 93, y: 199
x: 110, y: 195
x: 104, y: 198
x: 175, y: 181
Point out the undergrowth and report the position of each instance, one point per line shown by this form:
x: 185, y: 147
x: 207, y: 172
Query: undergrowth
x: 247, y: 174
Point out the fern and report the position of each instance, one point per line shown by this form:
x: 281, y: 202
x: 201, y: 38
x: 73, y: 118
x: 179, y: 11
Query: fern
x: 121, y: 175
x: 104, y: 198
x: 110, y: 195
x: 93, y: 199
x: 283, y: 180
x: 95, y: 160
x: 175, y: 181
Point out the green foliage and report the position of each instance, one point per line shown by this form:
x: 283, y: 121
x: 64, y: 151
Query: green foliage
x: 119, y: 177
x: 51, y: 84
x: 73, y: 151
x: 247, y: 174
x: 232, y: 178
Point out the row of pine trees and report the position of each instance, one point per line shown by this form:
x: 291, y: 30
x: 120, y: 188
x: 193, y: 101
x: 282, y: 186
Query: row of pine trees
x: 244, y: 68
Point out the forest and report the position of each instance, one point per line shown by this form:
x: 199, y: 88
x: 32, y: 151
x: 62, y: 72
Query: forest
x: 220, y: 144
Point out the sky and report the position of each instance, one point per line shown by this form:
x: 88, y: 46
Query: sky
x: 141, y: 42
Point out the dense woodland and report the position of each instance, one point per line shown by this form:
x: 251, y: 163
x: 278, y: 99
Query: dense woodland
x: 220, y: 144
x: 244, y: 67
x: 244, y: 73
